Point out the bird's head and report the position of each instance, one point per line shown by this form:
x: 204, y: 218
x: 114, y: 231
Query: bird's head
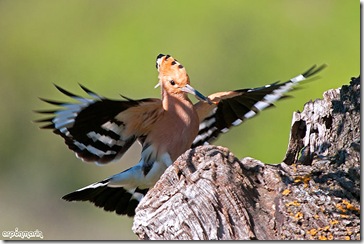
x: 173, y: 77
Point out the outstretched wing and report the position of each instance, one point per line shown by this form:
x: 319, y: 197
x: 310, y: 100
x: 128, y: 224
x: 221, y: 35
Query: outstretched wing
x: 94, y: 128
x: 236, y: 106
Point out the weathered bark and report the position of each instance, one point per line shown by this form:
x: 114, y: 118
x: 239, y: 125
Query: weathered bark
x: 315, y: 194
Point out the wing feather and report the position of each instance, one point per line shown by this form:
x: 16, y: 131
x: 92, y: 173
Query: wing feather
x: 95, y: 128
x: 236, y: 106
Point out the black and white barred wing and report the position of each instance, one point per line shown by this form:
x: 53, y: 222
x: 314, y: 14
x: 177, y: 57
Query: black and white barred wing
x: 244, y: 104
x: 90, y: 126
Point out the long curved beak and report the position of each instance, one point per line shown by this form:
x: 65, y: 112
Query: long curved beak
x: 198, y: 95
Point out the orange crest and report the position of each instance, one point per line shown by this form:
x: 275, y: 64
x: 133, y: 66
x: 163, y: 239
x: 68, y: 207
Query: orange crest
x: 171, y: 71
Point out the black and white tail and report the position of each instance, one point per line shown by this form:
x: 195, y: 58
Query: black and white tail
x: 120, y: 199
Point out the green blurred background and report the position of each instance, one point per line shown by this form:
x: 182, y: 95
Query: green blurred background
x: 110, y: 47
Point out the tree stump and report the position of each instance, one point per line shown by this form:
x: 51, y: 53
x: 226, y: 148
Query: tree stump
x: 208, y: 194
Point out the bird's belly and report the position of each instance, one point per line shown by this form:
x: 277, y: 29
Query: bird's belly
x: 156, y: 171
x: 137, y: 176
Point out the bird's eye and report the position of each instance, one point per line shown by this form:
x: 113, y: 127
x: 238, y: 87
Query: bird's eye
x: 172, y: 82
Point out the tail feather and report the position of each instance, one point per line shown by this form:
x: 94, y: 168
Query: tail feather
x: 119, y: 199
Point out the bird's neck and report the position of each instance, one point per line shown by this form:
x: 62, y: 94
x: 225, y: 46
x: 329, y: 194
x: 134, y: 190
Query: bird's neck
x: 182, y: 120
x: 173, y: 101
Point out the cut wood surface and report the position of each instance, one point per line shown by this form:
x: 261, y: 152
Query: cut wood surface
x: 314, y: 194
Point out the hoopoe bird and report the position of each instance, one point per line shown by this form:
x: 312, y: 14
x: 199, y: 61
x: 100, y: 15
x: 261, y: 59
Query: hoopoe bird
x: 101, y: 130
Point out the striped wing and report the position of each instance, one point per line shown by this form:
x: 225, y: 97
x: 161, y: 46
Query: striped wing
x: 245, y: 104
x: 91, y: 127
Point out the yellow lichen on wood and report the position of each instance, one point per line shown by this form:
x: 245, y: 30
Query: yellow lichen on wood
x: 299, y: 215
x: 344, y: 201
x: 312, y: 232
x: 294, y: 167
x: 286, y: 192
x: 341, y: 207
x: 322, y: 238
x: 327, y: 227
x: 305, y: 179
x: 334, y: 222
x: 350, y: 206
x: 294, y: 203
